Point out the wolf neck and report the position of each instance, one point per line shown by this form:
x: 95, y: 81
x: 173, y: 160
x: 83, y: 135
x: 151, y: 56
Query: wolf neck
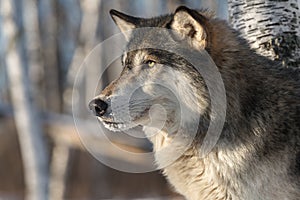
x: 217, y: 175
x: 188, y: 172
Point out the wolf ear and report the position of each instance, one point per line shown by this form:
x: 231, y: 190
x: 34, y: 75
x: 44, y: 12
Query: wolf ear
x: 190, y: 25
x: 125, y: 22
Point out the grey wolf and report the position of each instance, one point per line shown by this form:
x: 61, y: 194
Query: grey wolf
x: 257, y: 156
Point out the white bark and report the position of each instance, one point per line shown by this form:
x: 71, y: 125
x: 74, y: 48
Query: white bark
x: 28, y: 16
x: 271, y: 27
x: 29, y: 128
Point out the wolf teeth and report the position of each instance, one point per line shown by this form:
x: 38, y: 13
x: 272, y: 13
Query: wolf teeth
x: 115, y: 126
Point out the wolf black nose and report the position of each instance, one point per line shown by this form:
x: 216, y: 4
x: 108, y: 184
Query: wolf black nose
x: 98, y: 107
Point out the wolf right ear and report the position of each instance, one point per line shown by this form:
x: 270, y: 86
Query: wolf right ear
x: 125, y: 22
x: 190, y: 24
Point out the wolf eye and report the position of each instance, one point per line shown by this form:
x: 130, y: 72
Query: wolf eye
x: 128, y: 67
x: 150, y: 63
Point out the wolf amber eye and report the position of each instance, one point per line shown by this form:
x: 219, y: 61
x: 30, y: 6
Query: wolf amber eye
x: 150, y: 63
x: 128, y: 67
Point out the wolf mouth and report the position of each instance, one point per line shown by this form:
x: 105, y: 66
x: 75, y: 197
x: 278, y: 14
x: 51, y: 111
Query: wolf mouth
x: 116, y: 126
x: 112, y: 125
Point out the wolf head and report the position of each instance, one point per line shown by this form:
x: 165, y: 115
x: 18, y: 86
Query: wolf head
x: 157, y: 85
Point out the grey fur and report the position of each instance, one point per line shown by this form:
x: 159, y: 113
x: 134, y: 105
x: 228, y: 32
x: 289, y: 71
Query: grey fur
x: 258, y: 154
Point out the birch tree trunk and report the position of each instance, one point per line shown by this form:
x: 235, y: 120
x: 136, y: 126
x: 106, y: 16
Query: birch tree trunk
x: 271, y: 27
x: 29, y: 128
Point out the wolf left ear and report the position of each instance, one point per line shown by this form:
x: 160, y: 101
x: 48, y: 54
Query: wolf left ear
x: 190, y: 25
x: 125, y: 22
